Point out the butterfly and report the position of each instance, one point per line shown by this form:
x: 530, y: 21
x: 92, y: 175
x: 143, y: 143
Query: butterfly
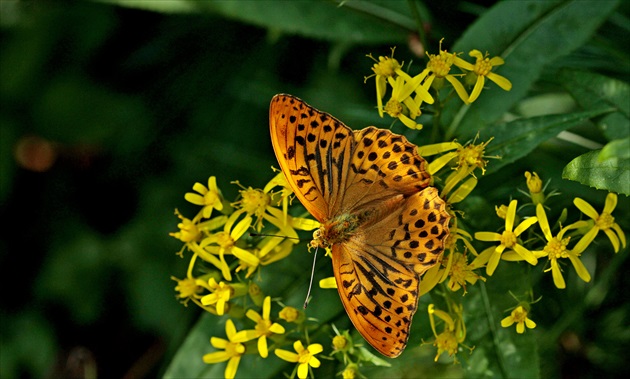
x: 384, y: 224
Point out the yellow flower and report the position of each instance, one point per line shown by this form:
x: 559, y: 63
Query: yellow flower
x: 224, y: 242
x: 508, y: 241
x: 340, y: 342
x: 208, y: 197
x: 534, y: 185
x: 401, y: 105
x: 604, y: 221
x: 501, y: 211
x: 461, y: 272
x: 264, y: 327
x: 482, y: 69
x: 556, y: 248
x: 222, y: 293
x: 440, y: 66
x: 351, y: 372
x: 190, y: 287
x: 188, y: 230
x: 233, y: 349
x: 305, y: 357
x: 291, y: 314
x: 454, y: 332
x: 384, y: 68
x: 518, y: 316
x: 441, y: 270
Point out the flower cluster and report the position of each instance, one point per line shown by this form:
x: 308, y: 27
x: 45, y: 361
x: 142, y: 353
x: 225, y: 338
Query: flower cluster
x: 409, y: 93
x: 224, y: 258
x: 228, y: 253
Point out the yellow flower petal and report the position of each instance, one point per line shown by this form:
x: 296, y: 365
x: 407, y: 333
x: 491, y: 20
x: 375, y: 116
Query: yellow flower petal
x: 613, y: 239
x: 558, y: 279
x: 487, y: 236
x: 218, y: 343
x: 507, y: 322
x: 579, y: 267
x: 231, y: 367
x: 286, y: 355
x: 302, y: 370
x: 586, y: 208
x: 543, y: 222
x: 216, y: 357
x: 315, y: 348
x: 610, y: 203
x: 327, y: 283
x: 524, y: 225
x: 526, y: 254
x: 262, y: 346
x: 501, y: 81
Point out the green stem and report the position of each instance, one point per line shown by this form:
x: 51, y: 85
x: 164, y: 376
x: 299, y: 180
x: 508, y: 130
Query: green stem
x: 419, y: 24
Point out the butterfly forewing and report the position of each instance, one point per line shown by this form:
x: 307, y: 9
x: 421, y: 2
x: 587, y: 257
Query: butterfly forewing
x: 313, y: 149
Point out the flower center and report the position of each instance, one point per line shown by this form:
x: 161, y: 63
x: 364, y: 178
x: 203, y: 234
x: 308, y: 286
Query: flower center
x: 304, y: 356
x: 557, y: 248
x: 234, y: 349
x: 605, y: 221
x: 262, y: 327
x: 519, y: 314
x: 441, y: 64
x: 471, y: 155
x: 458, y: 270
x: 187, y: 287
x: 386, y: 66
x: 483, y: 66
x: 254, y: 201
x: 393, y: 108
x: 224, y: 240
x: 446, y: 341
x: 508, y: 239
x: 210, y: 197
x: 188, y: 231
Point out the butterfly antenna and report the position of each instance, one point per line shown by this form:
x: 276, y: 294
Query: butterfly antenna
x: 274, y: 235
x: 310, y: 284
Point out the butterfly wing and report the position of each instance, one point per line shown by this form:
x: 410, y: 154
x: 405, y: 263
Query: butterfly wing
x: 313, y: 149
x: 377, y: 270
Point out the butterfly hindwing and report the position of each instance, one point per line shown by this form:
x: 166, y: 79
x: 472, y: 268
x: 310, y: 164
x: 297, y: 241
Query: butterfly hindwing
x: 380, y: 296
x: 378, y: 269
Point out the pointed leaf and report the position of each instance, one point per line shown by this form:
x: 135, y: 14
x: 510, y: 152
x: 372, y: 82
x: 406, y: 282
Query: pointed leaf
x: 596, y: 91
x: 612, y: 174
x: 516, y: 139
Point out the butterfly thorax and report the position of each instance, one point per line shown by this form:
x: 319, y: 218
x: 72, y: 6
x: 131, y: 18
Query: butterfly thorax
x: 341, y: 228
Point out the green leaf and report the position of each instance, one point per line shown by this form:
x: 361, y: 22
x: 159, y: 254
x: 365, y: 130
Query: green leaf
x: 612, y: 175
x: 348, y: 21
x: 542, y: 32
x: 616, y: 149
x: 499, y: 352
x: 188, y: 362
x: 516, y: 139
x: 596, y: 91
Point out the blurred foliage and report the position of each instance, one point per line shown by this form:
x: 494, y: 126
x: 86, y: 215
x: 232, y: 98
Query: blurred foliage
x: 110, y: 111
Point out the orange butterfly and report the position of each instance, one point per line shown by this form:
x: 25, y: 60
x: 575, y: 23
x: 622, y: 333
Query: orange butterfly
x: 369, y: 190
